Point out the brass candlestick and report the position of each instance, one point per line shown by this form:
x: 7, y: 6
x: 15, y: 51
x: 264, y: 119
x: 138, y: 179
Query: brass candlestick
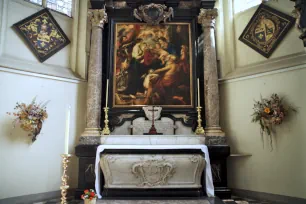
x: 200, y: 129
x: 65, y: 177
x: 106, y: 130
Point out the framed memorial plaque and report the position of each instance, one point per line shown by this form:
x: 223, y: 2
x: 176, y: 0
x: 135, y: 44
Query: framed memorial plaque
x: 266, y: 30
x: 42, y: 34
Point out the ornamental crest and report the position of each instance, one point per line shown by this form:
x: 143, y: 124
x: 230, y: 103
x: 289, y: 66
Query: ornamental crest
x: 153, y: 172
x: 266, y: 30
x: 153, y: 14
x: 42, y: 34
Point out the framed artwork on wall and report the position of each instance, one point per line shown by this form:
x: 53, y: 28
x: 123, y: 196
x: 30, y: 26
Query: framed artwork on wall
x: 152, y: 65
x: 266, y: 30
x: 42, y: 34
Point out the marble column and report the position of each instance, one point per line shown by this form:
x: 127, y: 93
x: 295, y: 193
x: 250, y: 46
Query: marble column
x: 211, y: 90
x: 98, y: 18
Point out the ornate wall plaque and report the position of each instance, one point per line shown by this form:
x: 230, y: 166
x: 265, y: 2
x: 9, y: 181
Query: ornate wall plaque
x: 42, y: 34
x: 266, y: 30
x: 153, y: 14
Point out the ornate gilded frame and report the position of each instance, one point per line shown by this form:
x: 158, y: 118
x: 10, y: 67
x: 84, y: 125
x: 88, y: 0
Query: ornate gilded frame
x: 114, y: 105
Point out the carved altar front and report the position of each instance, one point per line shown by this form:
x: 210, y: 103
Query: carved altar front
x: 152, y: 171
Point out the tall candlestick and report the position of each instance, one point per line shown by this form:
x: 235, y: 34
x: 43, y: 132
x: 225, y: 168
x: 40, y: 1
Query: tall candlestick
x: 106, y: 93
x: 198, y: 93
x: 67, y: 130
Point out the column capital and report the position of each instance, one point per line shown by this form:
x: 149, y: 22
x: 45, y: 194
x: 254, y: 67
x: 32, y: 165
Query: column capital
x: 207, y: 17
x: 97, y: 17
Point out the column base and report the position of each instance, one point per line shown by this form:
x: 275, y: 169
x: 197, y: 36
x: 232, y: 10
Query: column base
x: 215, y: 136
x: 91, y: 132
x: 90, y: 140
x: 90, y: 136
x: 214, y: 131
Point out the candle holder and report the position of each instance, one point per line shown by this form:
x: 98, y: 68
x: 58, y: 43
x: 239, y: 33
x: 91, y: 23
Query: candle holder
x: 200, y: 129
x: 65, y: 177
x: 106, y: 130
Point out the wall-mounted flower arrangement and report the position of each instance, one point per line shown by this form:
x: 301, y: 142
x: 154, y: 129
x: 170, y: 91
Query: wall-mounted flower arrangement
x: 30, y: 117
x: 270, y: 113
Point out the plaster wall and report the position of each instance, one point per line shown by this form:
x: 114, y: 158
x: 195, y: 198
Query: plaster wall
x: 27, y: 168
x: 246, y: 75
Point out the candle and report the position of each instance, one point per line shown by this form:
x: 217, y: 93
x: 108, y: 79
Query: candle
x: 106, y: 93
x: 67, y: 130
x: 198, y: 93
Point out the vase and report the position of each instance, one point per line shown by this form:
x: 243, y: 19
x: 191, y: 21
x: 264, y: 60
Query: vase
x: 88, y: 201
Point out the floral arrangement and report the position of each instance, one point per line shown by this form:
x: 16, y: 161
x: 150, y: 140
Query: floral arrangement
x: 270, y: 112
x: 30, y: 117
x: 89, y: 194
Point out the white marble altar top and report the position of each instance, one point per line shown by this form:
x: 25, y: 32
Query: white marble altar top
x: 152, y: 140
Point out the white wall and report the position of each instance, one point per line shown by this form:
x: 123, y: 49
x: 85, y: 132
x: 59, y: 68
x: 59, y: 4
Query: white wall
x: 282, y: 171
x: 245, y: 76
x: 27, y: 168
x: 36, y: 168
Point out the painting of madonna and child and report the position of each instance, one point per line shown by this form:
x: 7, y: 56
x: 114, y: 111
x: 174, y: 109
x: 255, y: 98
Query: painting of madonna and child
x: 153, y: 65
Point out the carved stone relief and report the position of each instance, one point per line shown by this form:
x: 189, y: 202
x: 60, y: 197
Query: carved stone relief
x: 153, y: 172
x: 153, y: 14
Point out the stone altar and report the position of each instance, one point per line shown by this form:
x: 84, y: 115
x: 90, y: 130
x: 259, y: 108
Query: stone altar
x: 215, y: 138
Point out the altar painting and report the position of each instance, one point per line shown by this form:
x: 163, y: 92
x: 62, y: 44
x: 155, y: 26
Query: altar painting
x: 152, y: 65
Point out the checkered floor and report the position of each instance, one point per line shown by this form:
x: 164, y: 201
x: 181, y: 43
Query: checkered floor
x: 234, y: 200
x: 238, y: 200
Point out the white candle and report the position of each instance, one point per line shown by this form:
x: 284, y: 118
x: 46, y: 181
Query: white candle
x: 198, y: 92
x: 67, y: 130
x: 106, y: 93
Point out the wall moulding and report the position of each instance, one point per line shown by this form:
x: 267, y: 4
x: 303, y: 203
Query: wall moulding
x: 267, y: 66
x: 277, y: 71
x: 36, y: 69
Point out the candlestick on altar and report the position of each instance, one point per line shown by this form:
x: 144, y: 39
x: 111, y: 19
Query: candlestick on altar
x: 200, y: 129
x: 64, y: 187
x: 106, y: 130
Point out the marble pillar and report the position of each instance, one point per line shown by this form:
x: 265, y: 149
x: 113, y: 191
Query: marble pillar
x: 98, y: 18
x: 211, y: 90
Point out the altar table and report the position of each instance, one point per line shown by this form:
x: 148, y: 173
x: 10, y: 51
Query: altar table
x: 203, y: 148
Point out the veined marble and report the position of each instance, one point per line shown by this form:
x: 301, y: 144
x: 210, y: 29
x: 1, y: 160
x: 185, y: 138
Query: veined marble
x: 152, y: 140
